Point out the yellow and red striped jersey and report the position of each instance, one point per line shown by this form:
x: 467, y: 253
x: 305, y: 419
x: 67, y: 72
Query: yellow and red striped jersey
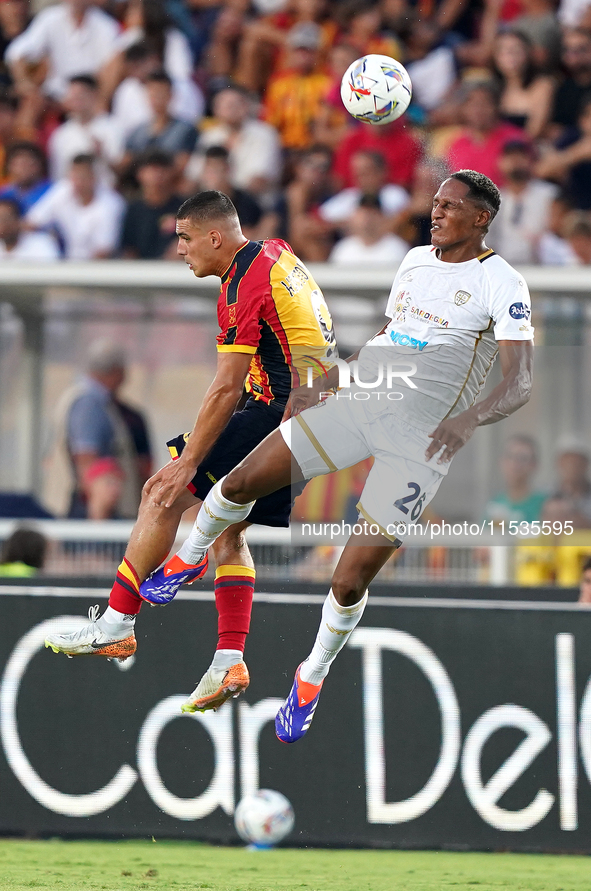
x: 270, y: 306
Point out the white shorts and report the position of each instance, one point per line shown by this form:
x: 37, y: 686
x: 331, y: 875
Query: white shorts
x: 340, y: 432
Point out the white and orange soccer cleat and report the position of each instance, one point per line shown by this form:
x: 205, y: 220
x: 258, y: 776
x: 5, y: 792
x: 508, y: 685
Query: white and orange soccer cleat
x: 96, y: 639
x: 217, y: 686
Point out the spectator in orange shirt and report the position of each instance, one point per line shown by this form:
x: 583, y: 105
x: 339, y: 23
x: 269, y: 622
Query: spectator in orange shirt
x: 294, y: 98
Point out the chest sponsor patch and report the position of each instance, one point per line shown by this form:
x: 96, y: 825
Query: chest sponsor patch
x: 405, y: 340
x: 519, y: 311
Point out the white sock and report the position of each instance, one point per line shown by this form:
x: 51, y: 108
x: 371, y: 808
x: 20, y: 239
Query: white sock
x: 226, y: 658
x: 335, y: 629
x: 114, y: 617
x: 215, y: 515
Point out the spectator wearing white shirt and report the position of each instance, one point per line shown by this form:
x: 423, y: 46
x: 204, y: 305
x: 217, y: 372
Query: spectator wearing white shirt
x: 369, y: 172
x: 87, y: 216
x: 525, y: 206
x: 553, y: 249
x: 86, y: 132
x: 131, y: 106
x: 74, y: 37
x: 368, y: 243
x: 255, y: 153
x: 17, y: 244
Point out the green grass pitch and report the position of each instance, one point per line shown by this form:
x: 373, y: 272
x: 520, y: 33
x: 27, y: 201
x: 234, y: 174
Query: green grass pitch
x: 180, y: 866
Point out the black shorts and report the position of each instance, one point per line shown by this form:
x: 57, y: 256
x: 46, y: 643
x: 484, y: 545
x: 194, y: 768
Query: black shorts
x: 244, y: 431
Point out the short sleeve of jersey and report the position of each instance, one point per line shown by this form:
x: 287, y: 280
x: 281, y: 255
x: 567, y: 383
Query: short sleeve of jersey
x: 510, y: 307
x: 239, y: 314
x: 394, y: 289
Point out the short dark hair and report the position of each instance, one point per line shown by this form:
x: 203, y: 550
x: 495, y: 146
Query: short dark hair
x: 154, y: 158
x: 377, y: 158
x: 138, y: 52
x: 482, y: 190
x: 83, y: 158
x: 218, y: 153
x: 159, y: 77
x: 370, y: 201
x: 206, y: 206
x: 31, y: 148
x: 13, y: 204
x: 87, y: 80
x: 8, y: 100
x: 25, y: 546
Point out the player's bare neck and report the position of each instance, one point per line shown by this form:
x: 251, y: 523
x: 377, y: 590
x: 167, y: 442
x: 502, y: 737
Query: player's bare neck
x: 232, y: 248
x: 461, y: 253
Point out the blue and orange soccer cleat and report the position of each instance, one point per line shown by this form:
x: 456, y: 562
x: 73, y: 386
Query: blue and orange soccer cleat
x: 162, y: 586
x: 295, y: 715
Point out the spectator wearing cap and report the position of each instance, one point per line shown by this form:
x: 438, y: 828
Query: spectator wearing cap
x: 70, y: 38
x: 131, y: 105
x: 255, y: 152
x: 294, y: 97
x: 85, y: 214
x: 17, y: 243
x: 479, y: 145
x: 27, y: 176
x: 164, y: 133
x: 570, y: 162
x: 368, y: 243
x: 87, y: 131
x: 100, y: 443
x: 525, y: 206
x: 149, y: 225
x: 569, y: 96
x: 216, y: 176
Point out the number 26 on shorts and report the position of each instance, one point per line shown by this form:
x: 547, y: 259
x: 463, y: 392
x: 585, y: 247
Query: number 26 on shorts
x: 414, y: 496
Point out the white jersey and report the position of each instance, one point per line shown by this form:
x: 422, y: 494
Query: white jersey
x: 445, y: 321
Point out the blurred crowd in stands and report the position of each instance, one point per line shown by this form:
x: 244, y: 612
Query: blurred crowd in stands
x: 111, y: 113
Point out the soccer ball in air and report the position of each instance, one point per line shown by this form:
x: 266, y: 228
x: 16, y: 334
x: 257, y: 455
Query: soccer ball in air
x: 264, y: 819
x: 376, y: 89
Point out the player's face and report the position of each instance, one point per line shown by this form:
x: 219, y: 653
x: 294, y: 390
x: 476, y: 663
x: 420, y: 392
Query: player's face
x: 455, y: 219
x: 197, y: 246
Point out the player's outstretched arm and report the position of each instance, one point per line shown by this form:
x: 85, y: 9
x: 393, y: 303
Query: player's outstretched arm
x: 217, y: 408
x: 517, y: 359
